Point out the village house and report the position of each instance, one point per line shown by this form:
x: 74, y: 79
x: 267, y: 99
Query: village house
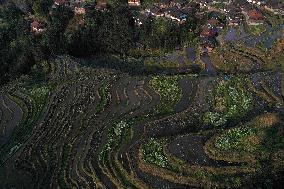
x: 79, y: 10
x: 204, y: 3
x: 134, y: 3
x: 234, y: 18
x: 255, y: 14
x: 255, y: 17
x: 232, y: 21
x: 78, y: 6
x: 177, y: 3
x: 175, y: 14
x: 252, y: 14
x: 213, y: 22
x: 162, y: 3
x: 155, y: 11
x: 208, y: 44
x: 59, y: 2
x: 37, y: 27
x: 256, y: 2
x: 187, y: 9
x: 209, y: 32
x: 140, y: 19
x: 232, y: 8
x: 101, y: 5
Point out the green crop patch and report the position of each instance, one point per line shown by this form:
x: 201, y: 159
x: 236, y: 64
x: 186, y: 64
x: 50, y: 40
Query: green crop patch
x: 230, y: 101
x: 153, y: 152
x: 35, y: 97
x: 169, y: 90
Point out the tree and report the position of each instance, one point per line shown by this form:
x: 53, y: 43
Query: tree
x: 16, y: 47
x: 189, y: 34
x: 82, y: 40
x: 116, y: 33
x: 41, y: 7
x: 54, y: 39
x: 160, y: 33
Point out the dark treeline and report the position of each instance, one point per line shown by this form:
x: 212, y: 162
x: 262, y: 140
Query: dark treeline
x: 97, y: 32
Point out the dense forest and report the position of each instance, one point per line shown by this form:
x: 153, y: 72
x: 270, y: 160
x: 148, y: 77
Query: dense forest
x: 97, y: 32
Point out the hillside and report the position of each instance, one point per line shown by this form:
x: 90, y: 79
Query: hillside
x: 83, y: 127
x: 162, y: 94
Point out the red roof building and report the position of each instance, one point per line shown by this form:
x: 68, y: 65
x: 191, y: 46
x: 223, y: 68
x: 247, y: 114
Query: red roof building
x: 255, y: 15
x: 207, y: 32
x: 37, y: 27
x: 213, y: 22
x: 35, y: 24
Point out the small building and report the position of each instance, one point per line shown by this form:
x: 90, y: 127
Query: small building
x: 213, y: 22
x: 101, y: 5
x: 155, y: 11
x: 233, y: 22
x: 234, y: 19
x: 59, y: 2
x: 80, y: 10
x: 162, y: 3
x: 255, y: 15
x: 209, y: 44
x: 209, y: 32
x: 177, y: 3
x: 203, y: 3
x: 37, y: 27
x: 140, y: 19
x: 134, y: 3
x: 175, y: 14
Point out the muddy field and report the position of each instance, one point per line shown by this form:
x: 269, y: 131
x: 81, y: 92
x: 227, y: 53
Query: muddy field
x: 100, y: 128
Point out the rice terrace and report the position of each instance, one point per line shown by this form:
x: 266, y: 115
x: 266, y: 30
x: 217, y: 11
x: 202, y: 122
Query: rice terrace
x: 167, y: 113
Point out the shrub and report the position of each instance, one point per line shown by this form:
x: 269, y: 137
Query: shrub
x: 231, y: 102
x: 169, y: 91
x: 234, y: 138
x: 153, y: 152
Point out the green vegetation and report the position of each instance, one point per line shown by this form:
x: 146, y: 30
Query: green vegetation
x: 92, y: 113
x: 234, y: 138
x: 104, y: 97
x: 35, y: 99
x: 153, y: 152
x: 230, y: 101
x: 273, y: 139
x: 15, y: 44
x: 253, y: 142
x: 256, y: 30
x: 170, y: 92
x: 119, y: 132
x: 65, y: 164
